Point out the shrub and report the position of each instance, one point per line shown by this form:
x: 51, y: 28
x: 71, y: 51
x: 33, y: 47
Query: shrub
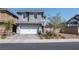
x: 3, y: 36
x: 39, y: 32
x: 13, y: 33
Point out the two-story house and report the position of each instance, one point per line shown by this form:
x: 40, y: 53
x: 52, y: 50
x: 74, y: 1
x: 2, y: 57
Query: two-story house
x: 6, y: 15
x: 30, y: 22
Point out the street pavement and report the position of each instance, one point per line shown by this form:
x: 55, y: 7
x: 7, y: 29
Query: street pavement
x: 40, y: 46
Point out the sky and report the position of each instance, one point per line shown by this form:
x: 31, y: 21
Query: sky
x: 65, y: 13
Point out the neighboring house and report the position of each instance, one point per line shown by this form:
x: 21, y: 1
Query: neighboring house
x: 30, y: 22
x: 6, y: 15
x: 73, y: 22
x: 72, y: 25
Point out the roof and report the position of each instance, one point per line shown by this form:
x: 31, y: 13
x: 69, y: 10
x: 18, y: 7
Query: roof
x: 76, y: 17
x: 37, y: 11
x: 5, y: 10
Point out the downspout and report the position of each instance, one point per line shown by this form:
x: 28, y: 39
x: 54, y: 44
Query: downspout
x: 0, y: 14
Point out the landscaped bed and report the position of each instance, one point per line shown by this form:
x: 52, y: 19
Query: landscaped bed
x: 51, y: 36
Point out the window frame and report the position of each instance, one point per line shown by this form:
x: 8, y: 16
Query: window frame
x: 35, y: 15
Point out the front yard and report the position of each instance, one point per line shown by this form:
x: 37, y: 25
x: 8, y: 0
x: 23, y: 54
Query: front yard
x: 45, y: 36
x: 70, y: 36
x: 59, y: 36
x: 50, y: 35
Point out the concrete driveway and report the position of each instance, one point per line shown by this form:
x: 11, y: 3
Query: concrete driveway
x: 23, y: 36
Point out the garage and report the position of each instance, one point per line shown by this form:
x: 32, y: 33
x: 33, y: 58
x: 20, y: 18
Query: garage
x: 28, y: 29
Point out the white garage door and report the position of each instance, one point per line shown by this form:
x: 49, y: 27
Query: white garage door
x: 28, y: 30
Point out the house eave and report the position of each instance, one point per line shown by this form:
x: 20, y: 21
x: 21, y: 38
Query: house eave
x: 37, y: 11
x: 25, y: 22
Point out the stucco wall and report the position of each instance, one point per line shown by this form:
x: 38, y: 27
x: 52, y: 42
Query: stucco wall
x: 71, y: 30
x: 78, y: 30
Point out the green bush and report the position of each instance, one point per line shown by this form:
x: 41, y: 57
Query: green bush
x: 3, y: 36
x: 50, y: 35
x: 13, y: 33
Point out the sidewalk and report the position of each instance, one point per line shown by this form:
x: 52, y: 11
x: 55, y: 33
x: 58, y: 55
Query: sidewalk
x: 37, y: 40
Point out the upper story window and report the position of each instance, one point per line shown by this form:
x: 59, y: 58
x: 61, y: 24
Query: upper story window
x: 75, y: 22
x: 35, y: 15
x: 20, y: 15
x: 24, y: 15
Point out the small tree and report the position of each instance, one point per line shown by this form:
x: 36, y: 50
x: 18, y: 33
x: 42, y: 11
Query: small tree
x: 8, y: 25
x: 56, y: 22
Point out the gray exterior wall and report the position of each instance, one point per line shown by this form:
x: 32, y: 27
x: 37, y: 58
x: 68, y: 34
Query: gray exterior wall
x: 30, y: 17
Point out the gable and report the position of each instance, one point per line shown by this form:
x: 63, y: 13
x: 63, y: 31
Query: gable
x: 73, y: 19
x: 4, y: 10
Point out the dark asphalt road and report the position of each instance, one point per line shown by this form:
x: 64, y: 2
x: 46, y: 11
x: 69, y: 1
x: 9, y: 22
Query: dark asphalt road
x: 40, y: 46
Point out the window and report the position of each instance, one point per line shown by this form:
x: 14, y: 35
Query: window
x: 35, y: 15
x: 24, y: 15
x: 74, y: 22
x: 20, y: 15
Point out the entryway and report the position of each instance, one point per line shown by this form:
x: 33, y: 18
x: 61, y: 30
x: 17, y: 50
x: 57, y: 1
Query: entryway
x: 14, y: 28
